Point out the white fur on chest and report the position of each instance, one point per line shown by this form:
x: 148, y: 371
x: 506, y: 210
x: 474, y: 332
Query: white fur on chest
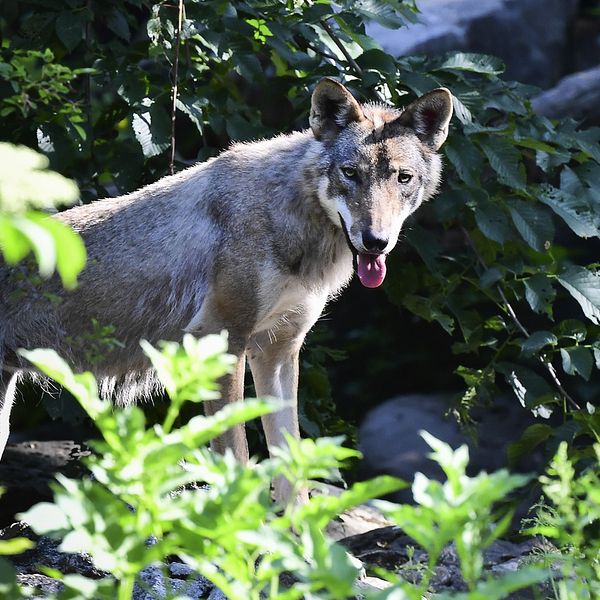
x: 286, y: 300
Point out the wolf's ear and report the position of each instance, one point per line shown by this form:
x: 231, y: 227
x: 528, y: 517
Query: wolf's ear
x: 332, y: 108
x: 429, y: 116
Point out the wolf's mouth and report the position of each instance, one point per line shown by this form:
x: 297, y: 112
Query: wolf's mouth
x: 371, y: 268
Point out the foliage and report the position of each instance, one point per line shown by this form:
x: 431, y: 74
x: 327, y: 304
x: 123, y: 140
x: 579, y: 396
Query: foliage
x: 23, y: 228
x: 459, y: 511
x: 140, y: 489
x: 570, y: 516
x: 144, y: 485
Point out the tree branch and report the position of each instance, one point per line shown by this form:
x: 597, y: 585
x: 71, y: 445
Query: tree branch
x: 175, y: 77
x: 336, y: 40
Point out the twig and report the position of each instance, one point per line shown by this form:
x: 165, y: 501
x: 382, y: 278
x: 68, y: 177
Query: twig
x: 88, y: 78
x: 513, y: 315
x: 175, y: 76
x: 336, y: 40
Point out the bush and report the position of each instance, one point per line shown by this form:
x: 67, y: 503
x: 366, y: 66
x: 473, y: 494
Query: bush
x: 143, y: 485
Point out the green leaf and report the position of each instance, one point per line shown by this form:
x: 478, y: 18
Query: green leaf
x: 378, y: 60
x: 117, y: 23
x: 532, y: 437
x: 14, y: 244
x: 426, y: 244
x: 505, y: 159
x: 533, y: 223
x: 538, y: 340
x: 151, y: 128
x: 572, y: 210
x: 381, y: 12
x: 40, y: 240
x: 473, y: 63
x: 490, y: 276
x: 193, y: 108
x: 531, y: 389
x: 25, y: 181
x: 493, y: 222
x: 465, y: 158
x: 499, y: 588
x: 45, y: 518
x: 577, y: 361
x: 424, y: 307
x: 15, y: 546
x: 461, y: 111
x: 572, y: 329
x: 82, y: 386
x: 68, y: 245
x: 589, y: 141
x: 134, y: 87
x: 584, y: 286
x: 70, y: 29
x: 540, y: 293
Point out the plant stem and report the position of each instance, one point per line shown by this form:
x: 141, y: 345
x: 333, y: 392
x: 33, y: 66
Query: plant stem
x: 175, y: 76
x: 125, y: 589
x: 336, y: 40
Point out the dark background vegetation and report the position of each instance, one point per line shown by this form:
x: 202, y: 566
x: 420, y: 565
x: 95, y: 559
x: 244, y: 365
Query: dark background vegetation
x: 89, y: 83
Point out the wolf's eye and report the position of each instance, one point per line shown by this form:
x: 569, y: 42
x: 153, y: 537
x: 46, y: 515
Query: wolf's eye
x: 404, y: 177
x: 349, y: 172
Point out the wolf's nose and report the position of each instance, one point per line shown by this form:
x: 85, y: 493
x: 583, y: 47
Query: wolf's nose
x: 372, y: 243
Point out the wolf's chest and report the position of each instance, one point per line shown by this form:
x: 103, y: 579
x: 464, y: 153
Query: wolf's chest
x: 296, y: 301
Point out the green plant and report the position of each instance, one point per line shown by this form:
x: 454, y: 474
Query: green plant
x: 460, y: 511
x: 569, y: 515
x: 230, y: 531
x: 23, y: 227
x: 140, y: 489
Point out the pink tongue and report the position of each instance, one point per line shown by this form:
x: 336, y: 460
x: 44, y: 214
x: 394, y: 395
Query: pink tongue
x: 371, y: 269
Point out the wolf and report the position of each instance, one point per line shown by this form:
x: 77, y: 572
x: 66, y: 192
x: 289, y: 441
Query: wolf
x: 254, y: 241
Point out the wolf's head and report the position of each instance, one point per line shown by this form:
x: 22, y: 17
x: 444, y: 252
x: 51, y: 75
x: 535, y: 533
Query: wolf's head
x: 381, y: 165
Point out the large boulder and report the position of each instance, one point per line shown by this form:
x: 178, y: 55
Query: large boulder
x: 391, y: 444
x: 576, y: 96
x: 531, y: 36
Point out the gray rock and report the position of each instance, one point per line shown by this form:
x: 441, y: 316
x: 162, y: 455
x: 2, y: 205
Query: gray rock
x: 46, y: 553
x: 27, y: 468
x: 390, y: 442
x: 387, y: 548
x: 153, y: 584
x: 576, y: 96
x: 217, y: 594
x: 42, y: 584
x: 529, y: 35
x: 180, y: 570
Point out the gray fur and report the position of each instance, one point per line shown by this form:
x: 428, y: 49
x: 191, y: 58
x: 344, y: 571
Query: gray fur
x: 250, y: 242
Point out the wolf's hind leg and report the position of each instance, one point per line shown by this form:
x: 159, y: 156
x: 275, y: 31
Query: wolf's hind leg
x: 8, y: 387
x: 232, y: 390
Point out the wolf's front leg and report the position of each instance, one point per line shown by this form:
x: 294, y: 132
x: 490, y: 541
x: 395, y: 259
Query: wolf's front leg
x: 275, y: 372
